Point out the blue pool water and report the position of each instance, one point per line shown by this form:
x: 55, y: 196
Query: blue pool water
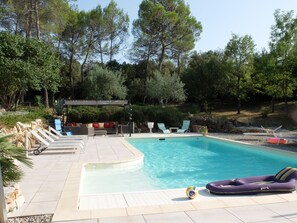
x: 180, y: 162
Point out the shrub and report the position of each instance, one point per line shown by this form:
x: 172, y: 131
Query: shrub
x: 171, y: 116
x: 265, y: 110
x: 9, y: 119
x: 11, y: 172
x: 58, y: 107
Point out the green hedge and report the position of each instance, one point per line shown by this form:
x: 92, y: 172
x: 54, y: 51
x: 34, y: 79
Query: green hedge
x: 171, y: 116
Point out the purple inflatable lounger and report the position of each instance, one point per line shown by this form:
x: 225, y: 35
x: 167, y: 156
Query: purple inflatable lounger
x: 282, y: 182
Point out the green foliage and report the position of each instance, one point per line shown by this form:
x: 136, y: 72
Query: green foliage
x: 10, y: 120
x: 88, y: 114
x: 38, y: 99
x: 265, y: 110
x: 165, y: 88
x: 25, y: 64
x: 104, y: 84
x: 205, y: 78
x: 239, y: 55
x: 283, y: 53
x: 140, y: 114
x: 117, y: 25
x: 171, y: 116
x: 11, y: 172
x: 164, y: 29
x: 58, y: 106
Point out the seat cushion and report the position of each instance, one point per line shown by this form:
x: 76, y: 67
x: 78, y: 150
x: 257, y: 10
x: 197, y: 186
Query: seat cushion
x: 96, y: 125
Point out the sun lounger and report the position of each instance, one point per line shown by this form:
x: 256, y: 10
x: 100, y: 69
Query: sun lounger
x: 58, y: 127
x: 162, y: 127
x: 185, y: 127
x: 54, y: 136
x: 61, y: 140
x: 266, y: 132
x: 54, y: 145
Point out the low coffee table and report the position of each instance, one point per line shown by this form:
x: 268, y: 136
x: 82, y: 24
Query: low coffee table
x: 173, y: 129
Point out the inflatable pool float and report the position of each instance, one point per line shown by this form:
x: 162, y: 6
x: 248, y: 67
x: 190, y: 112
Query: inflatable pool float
x: 276, y: 140
x: 282, y: 182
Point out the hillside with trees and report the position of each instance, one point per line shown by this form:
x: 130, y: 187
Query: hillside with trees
x: 52, y: 49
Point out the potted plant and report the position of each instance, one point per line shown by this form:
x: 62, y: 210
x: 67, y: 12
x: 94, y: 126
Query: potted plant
x: 204, y: 130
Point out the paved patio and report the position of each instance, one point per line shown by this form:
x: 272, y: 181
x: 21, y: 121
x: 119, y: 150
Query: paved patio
x: 52, y: 187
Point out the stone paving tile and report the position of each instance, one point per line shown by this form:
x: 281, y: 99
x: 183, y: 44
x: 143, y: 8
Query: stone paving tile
x: 40, y: 208
x: 80, y: 221
x: 47, y: 196
x: 128, y: 219
x: 176, y: 217
x: 282, y: 220
x: 286, y: 209
x: 213, y: 216
x: 253, y: 213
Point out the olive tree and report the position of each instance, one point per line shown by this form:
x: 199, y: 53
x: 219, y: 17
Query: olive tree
x: 102, y: 83
x: 165, y: 88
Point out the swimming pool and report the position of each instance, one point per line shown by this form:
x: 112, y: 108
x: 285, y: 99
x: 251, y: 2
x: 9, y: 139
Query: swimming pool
x: 180, y: 162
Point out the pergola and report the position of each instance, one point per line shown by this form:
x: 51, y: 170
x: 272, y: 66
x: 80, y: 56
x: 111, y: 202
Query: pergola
x: 121, y: 103
x: 67, y: 103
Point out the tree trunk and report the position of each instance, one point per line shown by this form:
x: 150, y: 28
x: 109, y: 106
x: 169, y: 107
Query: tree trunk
x: 272, y: 105
x: 161, y: 58
x: 59, y: 45
x: 16, y: 31
x: 29, y: 20
x: 46, y: 101
x: 111, y: 50
x: 101, y: 53
x: 85, y: 61
x: 238, y: 96
x: 178, y: 64
x: 37, y: 22
x: 70, y: 74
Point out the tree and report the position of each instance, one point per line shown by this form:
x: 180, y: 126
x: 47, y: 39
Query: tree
x: 103, y: 84
x: 93, y: 38
x: 116, y: 24
x: 239, y: 56
x: 165, y: 88
x: 164, y: 29
x: 44, y: 59
x: 34, y: 18
x: 283, y: 47
x: 24, y: 64
x: 11, y: 172
x: 265, y: 79
x: 205, y: 78
x: 71, y: 42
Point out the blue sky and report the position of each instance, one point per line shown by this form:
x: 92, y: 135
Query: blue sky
x: 219, y: 18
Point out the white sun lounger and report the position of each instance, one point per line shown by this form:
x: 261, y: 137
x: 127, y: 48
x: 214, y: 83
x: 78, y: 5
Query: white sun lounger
x: 54, y: 136
x: 267, y: 132
x: 68, y: 140
x: 54, y: 145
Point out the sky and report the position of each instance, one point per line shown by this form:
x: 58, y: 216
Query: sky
x: 219, y: 19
